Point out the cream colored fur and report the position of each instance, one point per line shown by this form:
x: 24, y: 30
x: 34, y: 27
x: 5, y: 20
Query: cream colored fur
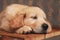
x: 21, y: 17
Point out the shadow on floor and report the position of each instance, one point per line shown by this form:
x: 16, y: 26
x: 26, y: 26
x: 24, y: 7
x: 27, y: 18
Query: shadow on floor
x: 54, y: 38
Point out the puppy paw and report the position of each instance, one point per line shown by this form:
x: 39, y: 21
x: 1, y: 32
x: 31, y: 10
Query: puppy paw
x: 24, y: 30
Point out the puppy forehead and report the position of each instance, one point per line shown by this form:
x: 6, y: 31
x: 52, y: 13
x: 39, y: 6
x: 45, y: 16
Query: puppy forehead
x: 35, y: 11
x: 31, y: 11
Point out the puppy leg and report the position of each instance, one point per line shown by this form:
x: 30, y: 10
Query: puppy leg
x: 24, y: 29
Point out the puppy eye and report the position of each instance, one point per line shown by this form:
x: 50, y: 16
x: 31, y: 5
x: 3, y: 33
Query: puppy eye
x: 35, y: 17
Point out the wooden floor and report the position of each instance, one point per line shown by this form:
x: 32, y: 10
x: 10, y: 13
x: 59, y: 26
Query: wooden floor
x: 14, y: 36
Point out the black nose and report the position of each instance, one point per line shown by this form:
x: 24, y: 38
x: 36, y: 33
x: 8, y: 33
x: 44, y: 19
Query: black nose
x: 44, y: 26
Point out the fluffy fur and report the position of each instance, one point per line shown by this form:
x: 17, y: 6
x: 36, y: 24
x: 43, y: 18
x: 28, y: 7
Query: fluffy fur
x: 22, y: 18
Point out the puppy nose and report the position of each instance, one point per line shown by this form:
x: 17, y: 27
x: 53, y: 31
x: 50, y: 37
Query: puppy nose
x: 45, y: 26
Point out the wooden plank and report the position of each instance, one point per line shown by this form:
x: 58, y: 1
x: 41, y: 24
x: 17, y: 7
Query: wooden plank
x: 53, y: 33
x: 20, y: 1
x: 4, y: 4
x: 31, y: 36
x: 39, y: 3
x: 25, y: 36
x: 58, y: 16
x: 50, y: 10
x: 12, y: 1
x: 30, y: 2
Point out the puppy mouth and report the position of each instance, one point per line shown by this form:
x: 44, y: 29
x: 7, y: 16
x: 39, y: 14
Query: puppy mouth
x: 42, y: 32
x: 33, y: 32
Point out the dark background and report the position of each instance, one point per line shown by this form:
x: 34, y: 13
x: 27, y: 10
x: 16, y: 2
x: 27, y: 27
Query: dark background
x: 51, y: 7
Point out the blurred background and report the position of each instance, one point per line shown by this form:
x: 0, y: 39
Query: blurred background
x: 50, y: 7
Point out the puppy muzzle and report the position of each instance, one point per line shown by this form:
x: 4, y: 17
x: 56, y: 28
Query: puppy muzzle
x: 39, y: 30
x: 42, y: 29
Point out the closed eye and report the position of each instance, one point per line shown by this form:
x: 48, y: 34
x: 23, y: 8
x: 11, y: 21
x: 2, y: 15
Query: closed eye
x: 35, y: 17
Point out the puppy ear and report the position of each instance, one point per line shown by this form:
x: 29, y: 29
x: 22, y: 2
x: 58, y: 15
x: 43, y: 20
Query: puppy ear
x: 22, y: 15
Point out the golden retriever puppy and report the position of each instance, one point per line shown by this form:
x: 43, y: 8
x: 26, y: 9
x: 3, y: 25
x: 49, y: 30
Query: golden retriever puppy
x: 24, y: 19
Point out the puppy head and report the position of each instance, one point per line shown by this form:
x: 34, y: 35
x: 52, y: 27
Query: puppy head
x: 36, y: 19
